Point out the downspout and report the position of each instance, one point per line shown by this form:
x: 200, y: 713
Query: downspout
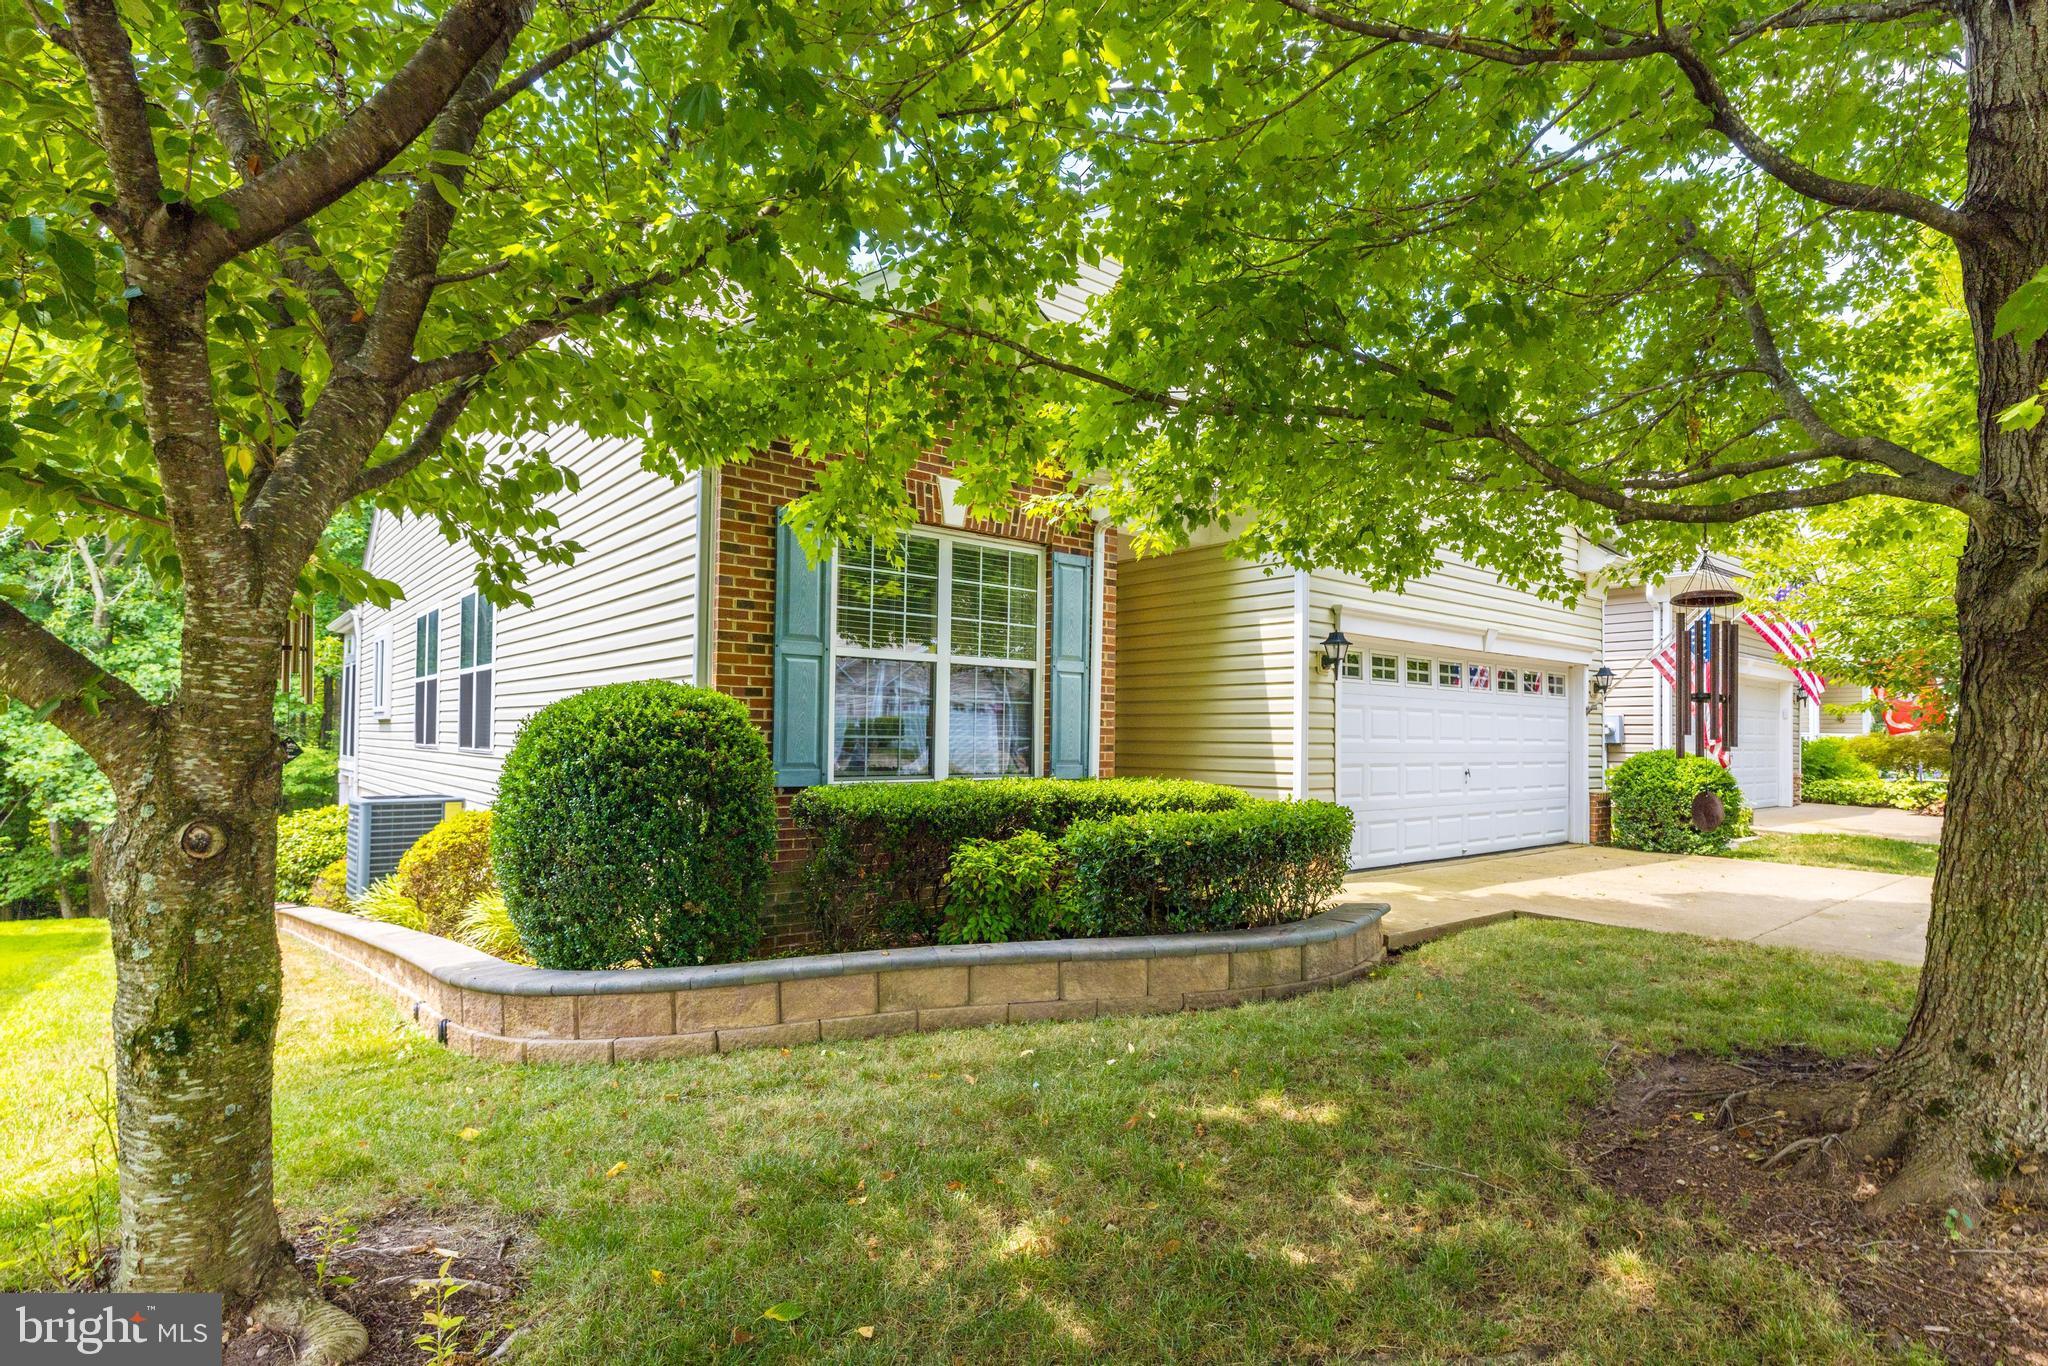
x: 707, y: 578
x: 1095, y: 635
x: 1303, y: 674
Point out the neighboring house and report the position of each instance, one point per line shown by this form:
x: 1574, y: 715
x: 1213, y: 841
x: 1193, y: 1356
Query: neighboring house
x: 990, y: 650
x: 1457, y: 723
x: 1771, y: 711
x: 1821, y: 721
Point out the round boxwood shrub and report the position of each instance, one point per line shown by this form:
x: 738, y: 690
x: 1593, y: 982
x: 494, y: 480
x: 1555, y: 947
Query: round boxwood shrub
x: 634, y: 825
x: 1653, y: 794
x: 448, y: 868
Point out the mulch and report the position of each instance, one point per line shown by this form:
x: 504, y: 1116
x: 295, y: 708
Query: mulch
x: 1971, y: 1288
x: 387, y: 1270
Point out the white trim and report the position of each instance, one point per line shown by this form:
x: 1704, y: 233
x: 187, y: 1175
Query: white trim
x: 1660, y: 691
x: 1490, y: 640
x: 1788, y: 744
x: 1097, y: 640
x: 343, y: 625
x: 1758, y: 668
x: 951, y: 509
x: 1304, y: 675
x: 705, y: 665
x: 1579, y: 777
x: 380, y: 676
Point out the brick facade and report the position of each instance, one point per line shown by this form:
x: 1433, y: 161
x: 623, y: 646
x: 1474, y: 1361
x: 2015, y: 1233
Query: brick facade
x: 750, y: 498
x: 1599, y: 818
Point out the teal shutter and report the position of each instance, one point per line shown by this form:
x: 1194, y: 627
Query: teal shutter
x: 1069, y: 665
x: 802, y: 654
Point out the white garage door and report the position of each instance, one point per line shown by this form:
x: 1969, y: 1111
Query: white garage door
x: 1758, y: 759
x: 1444, y: 755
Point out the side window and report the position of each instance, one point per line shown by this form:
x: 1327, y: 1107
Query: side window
x: 1419, y: 671
x: 1385, y: 669
x: 1354, y: 664
x: 473, y: 684
x: 380, y: 676
x: 426, y: 680
x: 1450, y: 674
x: 349, y: 676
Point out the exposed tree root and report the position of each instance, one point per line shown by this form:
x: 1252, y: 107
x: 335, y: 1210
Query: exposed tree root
x: 321, y: 1333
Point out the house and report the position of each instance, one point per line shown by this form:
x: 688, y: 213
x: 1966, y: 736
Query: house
x: 1640, y: 708
x: 1457, y: 720
x: 989, y: 649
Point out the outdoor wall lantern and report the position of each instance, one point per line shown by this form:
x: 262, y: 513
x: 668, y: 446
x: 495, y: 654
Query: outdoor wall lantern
x: 1603, y: 679
x: 1335, y: 645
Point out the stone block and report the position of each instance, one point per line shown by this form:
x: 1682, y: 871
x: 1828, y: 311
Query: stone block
x: 1096, y: 979
x: 1283, y: 990
x: 923, y: 988
x: 540, y: 1017
x: 963, y: 1017
x: 568, y: 1050
x: 483, y: 1012
x: 1265, y: 967
x: 619, y: 1015
x: 867, y: 1026
x: 1177, y: 975
x: 725, y: 1007
x: 1329, y: 957
x: 1138, y: 1005
x: 1212, y: 1000
x: 664, y: 1046
x: 768, y: 1036
x: 489, y: 1047
x: 1022, y: 1012
x: 828, y: 998
x: 989, y: 983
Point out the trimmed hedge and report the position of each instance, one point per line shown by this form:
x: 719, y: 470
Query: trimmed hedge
x: 1924, y: 750
x: 1175, y: 871
x: 1906, y: 794
x: 1830, y: 757
x: 448, y: 868
x: 634, y: 826
x: 307, y: 841
x: 1653, y: 793
x: 877, y: 873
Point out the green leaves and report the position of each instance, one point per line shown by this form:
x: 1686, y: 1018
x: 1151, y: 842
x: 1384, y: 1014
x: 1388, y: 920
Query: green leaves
x: 2024, y: 316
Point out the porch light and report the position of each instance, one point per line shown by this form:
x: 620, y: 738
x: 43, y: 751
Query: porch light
x: 1335, y: 645
x: 1603, y: 679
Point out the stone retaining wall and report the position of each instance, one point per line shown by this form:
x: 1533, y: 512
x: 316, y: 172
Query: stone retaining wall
x: 482, y: 1006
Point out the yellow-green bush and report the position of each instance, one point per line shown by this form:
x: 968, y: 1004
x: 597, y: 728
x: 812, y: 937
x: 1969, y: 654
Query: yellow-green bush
x: 448, y: 868
x: 385, y: 901
x: 330, y: 889
x: 307, y: 841
x: 486, y: 923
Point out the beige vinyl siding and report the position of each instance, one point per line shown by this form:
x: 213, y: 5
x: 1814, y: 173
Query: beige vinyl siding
x: 1457, y: 596
x: 1631, y: 636
x: 1845, y: 723
x: 625, y: 608
x: 1205, y: 671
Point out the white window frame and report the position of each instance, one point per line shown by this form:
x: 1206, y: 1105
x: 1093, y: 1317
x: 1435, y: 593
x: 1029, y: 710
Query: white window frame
x: 942, y: 660
x: 431, y: 681
x: 348, y: 741
x: 1411, y: 665
x: 380, y: 675
x: 463, y: 674
x: 1382, y: 668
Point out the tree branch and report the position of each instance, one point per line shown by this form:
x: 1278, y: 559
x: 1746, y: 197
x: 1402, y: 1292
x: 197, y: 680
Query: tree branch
x: 50, y: 28
x: 103, y: 49
x: 568, y: 51
x: 97, y: 709
x: 384, y: 125
x: 424, y: 443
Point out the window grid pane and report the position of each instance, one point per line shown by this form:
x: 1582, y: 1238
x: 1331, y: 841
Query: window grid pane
x: 988, y: 726
x: 1449, y: 674
x: 1384, y: 668
x: 882, y: 719
x: 885, y: 606
x: 1418, y: 671
x: 995, y: 603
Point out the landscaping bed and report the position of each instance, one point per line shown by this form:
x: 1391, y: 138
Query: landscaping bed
x: 1969, y: 1288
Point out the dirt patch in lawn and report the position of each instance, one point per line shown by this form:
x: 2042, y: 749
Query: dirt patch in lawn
x: 1970, y: 1289
x: 389, y: 1271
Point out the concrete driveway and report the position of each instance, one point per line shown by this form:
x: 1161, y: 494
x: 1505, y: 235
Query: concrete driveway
x: 1828, y: 910
x: 1821, y: 818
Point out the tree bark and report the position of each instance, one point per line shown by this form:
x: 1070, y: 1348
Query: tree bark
x: 1964, y: 1099
x: 66, y: 908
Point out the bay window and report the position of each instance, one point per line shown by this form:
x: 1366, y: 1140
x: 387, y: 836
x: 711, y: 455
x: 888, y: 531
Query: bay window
x: 936, y: 645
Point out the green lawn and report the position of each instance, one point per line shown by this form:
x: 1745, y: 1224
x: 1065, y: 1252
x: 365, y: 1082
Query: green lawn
x: 1842, y: 851
x: 1379, y: 1171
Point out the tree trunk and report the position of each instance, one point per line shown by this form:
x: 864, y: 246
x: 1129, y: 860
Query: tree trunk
x: 1965, y: 1097
x: 189, y: 866
x: 65, y: 906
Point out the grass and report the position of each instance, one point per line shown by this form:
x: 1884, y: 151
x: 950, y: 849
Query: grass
x: 1842, y: 851
x: 1381, y: 1170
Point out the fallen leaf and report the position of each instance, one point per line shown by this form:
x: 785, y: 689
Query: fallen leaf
x: 1169, y: 1247
x: 658, y: 1276
x: 955, y: 1185
x: 866, y: 1330
x: 469, y: 1135
x: 616, y: 1169
x: 886, y: 1176
x: 741, y: 1337
x: 788, y: 1311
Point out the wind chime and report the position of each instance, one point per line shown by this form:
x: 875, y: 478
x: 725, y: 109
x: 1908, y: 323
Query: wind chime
x: 1708, y: 662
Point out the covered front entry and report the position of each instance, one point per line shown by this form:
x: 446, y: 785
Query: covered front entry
x: 1441, y: 755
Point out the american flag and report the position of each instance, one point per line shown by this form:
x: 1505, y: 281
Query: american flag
x: 1794, y: 642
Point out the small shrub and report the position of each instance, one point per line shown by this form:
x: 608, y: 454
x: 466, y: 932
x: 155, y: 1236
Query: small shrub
x: 1902, y: 756
x: 883, y: 851
x: 310, y: 780
x: 1264, y: 863
x: 486, y: 923
x: 307, y: 841
x: 1904, y: 793
x: 1653, y: 795
x: 330, y: 889
x: 1000, y: 890
x: 1831, y: 757
x: 448, y: 868
x: 634, y: 825
x: 387, y: 902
